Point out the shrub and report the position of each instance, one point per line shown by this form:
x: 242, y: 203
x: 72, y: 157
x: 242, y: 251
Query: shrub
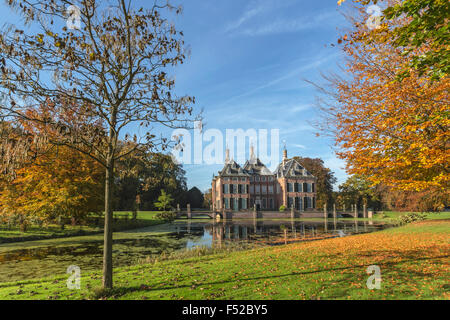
x: 166, y: 216
x: 411, y: 217
x: 282, y: 208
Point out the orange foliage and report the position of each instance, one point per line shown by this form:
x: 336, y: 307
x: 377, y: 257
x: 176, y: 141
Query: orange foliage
x: 393, y: 132
x: 61, y: 183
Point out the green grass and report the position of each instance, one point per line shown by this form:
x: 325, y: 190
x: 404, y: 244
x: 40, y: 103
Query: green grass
x: 413, y: 261
x: 34, y: 232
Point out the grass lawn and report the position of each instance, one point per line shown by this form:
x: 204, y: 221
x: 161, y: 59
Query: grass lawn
x: 413, y: 261
x: 144, y: 218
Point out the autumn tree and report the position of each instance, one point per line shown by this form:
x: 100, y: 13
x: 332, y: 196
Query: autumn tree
x: 61, y: 184
x: 106, y: 66
x: 423, y: 38
x: 360, y: 191
x: 391, y: 131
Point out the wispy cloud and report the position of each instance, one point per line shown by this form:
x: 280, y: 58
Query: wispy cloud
x: 255, y: 8
x: 296, y: 72
x: 290, y: 25
x: 301, y: 146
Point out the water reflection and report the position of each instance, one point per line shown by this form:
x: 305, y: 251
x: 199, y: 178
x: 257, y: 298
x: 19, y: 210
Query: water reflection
x: 35, y: 259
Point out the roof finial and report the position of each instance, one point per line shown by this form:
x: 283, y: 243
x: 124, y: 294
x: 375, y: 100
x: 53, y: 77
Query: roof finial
x: 284, y: 152
x: 252, y: 153
x: 227, y: 155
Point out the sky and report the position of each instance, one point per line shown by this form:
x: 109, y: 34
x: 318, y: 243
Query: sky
x: 247, y: 67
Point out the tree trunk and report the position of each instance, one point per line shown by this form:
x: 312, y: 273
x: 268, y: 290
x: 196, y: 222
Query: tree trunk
x: 107, y: 247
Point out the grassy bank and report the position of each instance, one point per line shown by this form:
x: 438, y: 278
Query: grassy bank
x: 413, y: 261
x: 51, y: 231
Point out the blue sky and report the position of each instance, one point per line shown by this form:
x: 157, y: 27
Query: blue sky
x: 251, y: 58
x: 247, y: 65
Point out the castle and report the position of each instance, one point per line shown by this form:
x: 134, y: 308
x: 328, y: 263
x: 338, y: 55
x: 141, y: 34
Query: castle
x: 239, y: 188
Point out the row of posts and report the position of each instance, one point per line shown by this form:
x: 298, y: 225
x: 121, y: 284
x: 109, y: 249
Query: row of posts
x: 354, y: 210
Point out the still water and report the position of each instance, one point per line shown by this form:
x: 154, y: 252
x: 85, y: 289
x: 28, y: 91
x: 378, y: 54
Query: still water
x: 36, y: 259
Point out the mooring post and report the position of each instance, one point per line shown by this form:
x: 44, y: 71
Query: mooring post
x: 189, y: 213
x: 365, y: 211
x: 356, y: 210
x: 334, y: 215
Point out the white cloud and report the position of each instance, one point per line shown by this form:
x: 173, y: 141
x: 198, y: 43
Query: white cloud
x: 289, y: 25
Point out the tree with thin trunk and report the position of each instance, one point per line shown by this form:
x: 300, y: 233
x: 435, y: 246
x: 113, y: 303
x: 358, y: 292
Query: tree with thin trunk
x: 84, y: 74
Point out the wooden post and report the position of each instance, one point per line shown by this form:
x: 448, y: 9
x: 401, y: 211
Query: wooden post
x: 365, y: 211
x: 325, y: 214
x: 189, y: 213
x: 356, y: 210
x: 255, y: 213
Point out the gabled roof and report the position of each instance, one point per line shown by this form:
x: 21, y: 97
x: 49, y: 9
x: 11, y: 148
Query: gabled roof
x: 231, y: 168
x: 291, y: 169
x: 255, y: 166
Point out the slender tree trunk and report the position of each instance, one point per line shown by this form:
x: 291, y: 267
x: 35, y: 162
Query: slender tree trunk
x: 107, y: 246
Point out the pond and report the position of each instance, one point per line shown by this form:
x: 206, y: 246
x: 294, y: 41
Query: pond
x: 36, y: 259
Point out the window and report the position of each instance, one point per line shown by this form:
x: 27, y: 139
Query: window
x: 244, y: 203
x: 251, y: 179
x: 236, y: 188
x: 309, y: 202
x: 236, y: 204
x: 257, y: 189
x: 270, y: 178
x: 226, y: 188
x: 243, y: 179
x: 252, y: 189
x: 235, y: 179
x: 290, y: 202
x: 227, y: 203
x: 240, y: 188
x: 264, y: 203
x: 264, y: 189
x: 270, y: 189
x: 263, y: 179
x: 270, y: 203
x: 257, y: 178
x: 278, y: 188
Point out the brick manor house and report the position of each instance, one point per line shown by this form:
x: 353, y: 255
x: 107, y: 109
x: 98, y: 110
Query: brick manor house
x: 241, y: 188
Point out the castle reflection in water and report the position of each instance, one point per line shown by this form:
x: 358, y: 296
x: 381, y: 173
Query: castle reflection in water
x: 272, y: 231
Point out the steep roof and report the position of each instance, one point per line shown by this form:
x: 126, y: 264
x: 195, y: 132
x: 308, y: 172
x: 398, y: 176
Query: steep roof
x: 231, y: 168
x: 255, y: 166
x: 291, y: 169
